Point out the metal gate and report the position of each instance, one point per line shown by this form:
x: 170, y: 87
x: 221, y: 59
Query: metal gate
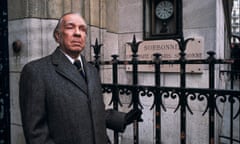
x: 181, y: 94
x: 4, y: 75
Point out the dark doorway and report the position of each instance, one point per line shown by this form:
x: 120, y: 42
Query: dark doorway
x: 4, y: 76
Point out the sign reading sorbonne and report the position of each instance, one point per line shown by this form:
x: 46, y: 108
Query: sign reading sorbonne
x: 169, y: 50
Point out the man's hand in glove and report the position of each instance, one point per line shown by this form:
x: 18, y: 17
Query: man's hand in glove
x: 134, y: 114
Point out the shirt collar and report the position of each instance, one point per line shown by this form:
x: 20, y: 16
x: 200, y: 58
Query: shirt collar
x: 70, y: 58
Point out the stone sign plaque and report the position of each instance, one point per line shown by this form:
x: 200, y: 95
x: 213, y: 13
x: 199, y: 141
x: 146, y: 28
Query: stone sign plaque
x: 169, y: 50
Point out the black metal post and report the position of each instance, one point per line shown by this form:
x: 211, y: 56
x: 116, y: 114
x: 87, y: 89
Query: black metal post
x: 115, y: 93
x: 97, y: 50
x: 183, y: 100
x: 158, y: 98
x: 211, y: 100
x: 231, y: 119
x: 135, y: 95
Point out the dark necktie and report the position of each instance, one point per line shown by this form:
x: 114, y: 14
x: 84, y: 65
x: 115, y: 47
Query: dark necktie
x: 78, y: 64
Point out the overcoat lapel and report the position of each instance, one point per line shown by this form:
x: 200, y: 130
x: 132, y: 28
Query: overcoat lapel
x: 64, y: 67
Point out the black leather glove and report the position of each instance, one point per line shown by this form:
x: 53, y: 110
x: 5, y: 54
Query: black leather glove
x: 134, y: 114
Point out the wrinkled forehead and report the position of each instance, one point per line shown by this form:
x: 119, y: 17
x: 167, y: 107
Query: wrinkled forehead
x: 75, y: 19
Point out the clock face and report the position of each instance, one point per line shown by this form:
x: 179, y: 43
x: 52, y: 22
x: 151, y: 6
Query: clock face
x: 164, y: 10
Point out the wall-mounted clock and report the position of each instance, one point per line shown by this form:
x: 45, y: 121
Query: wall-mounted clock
x: 162, y: 19
x: 164, y: 10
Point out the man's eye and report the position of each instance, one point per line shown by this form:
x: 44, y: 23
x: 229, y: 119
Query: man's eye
x: 68, y: 26
x: 84, y: 30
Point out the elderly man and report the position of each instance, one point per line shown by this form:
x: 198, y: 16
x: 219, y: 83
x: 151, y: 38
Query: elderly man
x: 62, y: 103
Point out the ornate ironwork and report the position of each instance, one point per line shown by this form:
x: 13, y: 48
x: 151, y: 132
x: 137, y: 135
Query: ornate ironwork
x: 211, y: 96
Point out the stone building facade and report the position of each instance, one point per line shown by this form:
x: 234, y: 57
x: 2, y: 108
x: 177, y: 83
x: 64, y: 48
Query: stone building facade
x: 113, y: 23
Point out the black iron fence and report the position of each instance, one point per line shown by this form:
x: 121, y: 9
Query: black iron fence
x: 181, y: 94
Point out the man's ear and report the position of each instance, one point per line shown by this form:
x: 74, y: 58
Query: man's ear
x: 57, y: 36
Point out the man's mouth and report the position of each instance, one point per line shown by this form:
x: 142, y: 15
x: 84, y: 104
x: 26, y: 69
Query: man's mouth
x: 76, y: 43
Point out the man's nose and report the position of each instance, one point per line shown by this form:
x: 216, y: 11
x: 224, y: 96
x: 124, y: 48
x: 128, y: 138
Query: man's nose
x: 77, y: 32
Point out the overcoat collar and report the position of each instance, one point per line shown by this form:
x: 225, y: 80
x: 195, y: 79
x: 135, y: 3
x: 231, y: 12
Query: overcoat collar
x: 65, y: 68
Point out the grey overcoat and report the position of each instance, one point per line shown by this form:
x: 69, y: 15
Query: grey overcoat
x: 59, y: 107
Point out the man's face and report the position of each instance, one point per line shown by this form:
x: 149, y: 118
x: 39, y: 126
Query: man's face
x: 72, y: 34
